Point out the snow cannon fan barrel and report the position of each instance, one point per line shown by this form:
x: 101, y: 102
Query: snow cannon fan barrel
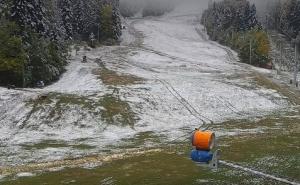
x: 203, y: 140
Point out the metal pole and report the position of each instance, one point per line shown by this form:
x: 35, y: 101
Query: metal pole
x: 281, y: 58
x: 98, y: 32
x: 23, y: 75
x: 296, y: 65
x: 250, y: 52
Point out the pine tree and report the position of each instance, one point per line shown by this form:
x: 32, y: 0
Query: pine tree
x: 78, y: 22
x: 53, y: 16
x: 85, y: 15
x: 252, y: 21
x: 234, y: 23
x: 244, y: 15
x: 67, y: 17
x: 32, y: 34
x: 1, y: 9
x: 117, y: 26
x: 29, y: 14
x: 294, y: 19
x: 4, y: 7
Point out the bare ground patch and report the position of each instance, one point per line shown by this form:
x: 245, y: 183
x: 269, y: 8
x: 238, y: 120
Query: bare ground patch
x: 110, y: 108
x: 110, y: 77
x: 117, y: 111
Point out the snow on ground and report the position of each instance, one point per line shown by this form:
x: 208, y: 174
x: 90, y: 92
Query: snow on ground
x: 78, y: 77
x: 196, y: 72
x: 180, y: 40
x: 25, y: 174
x: 172, y: 55
x: 127, y: 38
x: 27, y: 121
x: 200, y: 71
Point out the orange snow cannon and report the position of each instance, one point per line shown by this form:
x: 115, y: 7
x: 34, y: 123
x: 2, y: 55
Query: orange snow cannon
x: 203, y: 140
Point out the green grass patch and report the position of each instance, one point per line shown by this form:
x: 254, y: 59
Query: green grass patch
x: 113, y: 110
x: 109, y: 77
x: 117, y: 111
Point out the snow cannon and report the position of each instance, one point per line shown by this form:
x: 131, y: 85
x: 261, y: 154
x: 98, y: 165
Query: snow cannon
x: 203, y: 140
x: 204, y: 143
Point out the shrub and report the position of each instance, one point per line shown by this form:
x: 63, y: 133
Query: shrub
x: 12, y: 55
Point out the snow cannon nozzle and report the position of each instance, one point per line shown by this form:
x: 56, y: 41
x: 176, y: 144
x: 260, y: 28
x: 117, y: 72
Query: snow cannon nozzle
x: 203, y: 140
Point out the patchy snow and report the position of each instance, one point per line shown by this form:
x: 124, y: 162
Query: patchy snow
x: 25, y: 174
x: 262, y: 70
x: 127, y: 38
x: 196, y: 69
x: 79, y: 77
x: 2, y: 177
x: 174, y: 57
x: 179, y: 40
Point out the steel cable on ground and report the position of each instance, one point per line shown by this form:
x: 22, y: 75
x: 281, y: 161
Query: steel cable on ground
x: 229, y: 106
x: 258, y: 173
x: 189, y: 108
x: 228, y: 164
x: 192, y: 110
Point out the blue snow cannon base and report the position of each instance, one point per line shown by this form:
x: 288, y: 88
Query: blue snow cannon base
x: 201, y: 156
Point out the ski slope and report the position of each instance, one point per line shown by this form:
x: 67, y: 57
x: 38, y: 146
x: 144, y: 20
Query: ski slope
x: 173, y: 49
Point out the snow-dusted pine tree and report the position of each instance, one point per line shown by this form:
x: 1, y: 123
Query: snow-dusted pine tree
x: 4, y: 7
x: 1, y: 8
x: 294, y: 19
x: 248, y: 20
x: 84, y: 17
x: 78, y: 21
x: 29, y: 14
x: 117, y: 25
x: 252, y: 21
x: 65, y: 7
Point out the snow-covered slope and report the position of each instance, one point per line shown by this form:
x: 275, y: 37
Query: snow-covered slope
x: 172, y: 54
x: 204, y: 73
x: 78, y: 77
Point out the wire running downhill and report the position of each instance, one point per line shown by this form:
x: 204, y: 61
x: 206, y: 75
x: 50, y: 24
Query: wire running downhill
x: 205, y: 120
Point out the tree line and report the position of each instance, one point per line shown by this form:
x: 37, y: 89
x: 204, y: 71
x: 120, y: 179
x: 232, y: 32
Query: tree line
x: 284, y: 16
x: 234, y: 23
x: 35, y: 35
